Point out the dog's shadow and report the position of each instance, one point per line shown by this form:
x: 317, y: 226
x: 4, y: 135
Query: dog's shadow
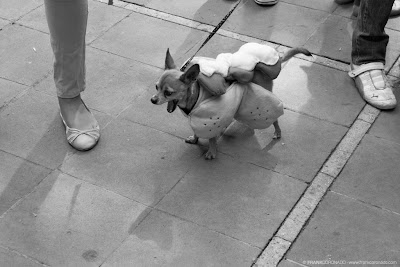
x: 249, y: 145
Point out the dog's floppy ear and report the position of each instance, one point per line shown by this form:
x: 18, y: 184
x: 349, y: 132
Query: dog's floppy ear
x: 190, y: 75
x: 169, y: 62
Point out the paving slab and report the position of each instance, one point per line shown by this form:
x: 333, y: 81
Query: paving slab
x: 204, y: 11
x: 387, y: 125
x: 112, y: 82
x: 394, y: 72
x: 220, y: 44
x: 282, y: 23
x: 343, y: 229
x: 328, y: 6
x: 235, y: 198
x: 135, y: 161
x: 134, y: 40
x: 345, y: 11
x: 333, y: 38
x: 3, y: 23
x: 9, y: 90
x: 18, y: 177
x: 393, y: 23
x: 12, y: 10
x: 305, y: 145
x: 101, y: 18
x: 164, y: 240
x: 69, y: 222
x: 319, y: 91
x: 31, y: 128
x: 25, y: 53
x: 138, y: 2
x: 11, y: 258
x: 286, y: 263
x: 372, y: 174
x: 393, y: 49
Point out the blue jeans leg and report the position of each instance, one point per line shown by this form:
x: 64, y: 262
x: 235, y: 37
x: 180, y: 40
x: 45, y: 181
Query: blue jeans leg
x: 369, y: 38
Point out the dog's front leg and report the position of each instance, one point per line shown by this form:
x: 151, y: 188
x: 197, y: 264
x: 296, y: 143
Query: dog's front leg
x: 278, y: 132
x: 193, y: 139
x: 212, y: 148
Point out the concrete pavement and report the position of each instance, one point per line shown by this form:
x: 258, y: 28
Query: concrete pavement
x: 326, y: 193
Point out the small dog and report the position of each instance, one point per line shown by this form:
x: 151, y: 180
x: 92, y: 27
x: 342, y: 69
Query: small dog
x: 181, y: 89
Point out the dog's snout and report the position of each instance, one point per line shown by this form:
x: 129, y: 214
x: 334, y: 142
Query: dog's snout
x: 154, y: 99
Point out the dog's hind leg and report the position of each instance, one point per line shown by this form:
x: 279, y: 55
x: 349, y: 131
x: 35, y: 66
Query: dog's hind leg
x: 193, y: 139
x: 278, y: 132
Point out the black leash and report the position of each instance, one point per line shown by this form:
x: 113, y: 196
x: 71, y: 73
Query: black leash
x: 210, y: 35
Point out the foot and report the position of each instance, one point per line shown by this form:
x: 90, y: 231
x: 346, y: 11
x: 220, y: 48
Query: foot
x: 266, y: 2
x: 192, y: 139
x: 82, y: 127
x: 373, y: 85
x: 395, y: 8
x: 212, y: 149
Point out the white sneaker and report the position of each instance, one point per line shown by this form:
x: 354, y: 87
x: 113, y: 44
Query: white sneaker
x: 373, y: 85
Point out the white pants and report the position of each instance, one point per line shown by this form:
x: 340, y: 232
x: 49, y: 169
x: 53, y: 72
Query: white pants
x: 67, y: 20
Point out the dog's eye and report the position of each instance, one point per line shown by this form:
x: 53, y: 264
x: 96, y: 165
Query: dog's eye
x: 168, y: 93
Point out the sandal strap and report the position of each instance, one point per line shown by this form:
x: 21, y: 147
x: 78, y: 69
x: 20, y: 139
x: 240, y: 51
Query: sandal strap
x: 73, y: 133
x: 366, y: 67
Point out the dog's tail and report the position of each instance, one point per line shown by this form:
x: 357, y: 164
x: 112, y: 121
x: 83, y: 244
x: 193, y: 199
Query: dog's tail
x: 294, y: 51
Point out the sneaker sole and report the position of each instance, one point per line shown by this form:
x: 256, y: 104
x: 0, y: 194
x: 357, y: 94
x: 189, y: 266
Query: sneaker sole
x: 270, y: 3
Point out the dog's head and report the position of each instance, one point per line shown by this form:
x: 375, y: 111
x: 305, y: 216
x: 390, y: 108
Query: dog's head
x: 174, y: 84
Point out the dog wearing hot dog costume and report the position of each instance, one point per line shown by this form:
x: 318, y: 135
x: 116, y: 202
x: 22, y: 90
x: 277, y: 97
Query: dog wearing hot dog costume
x: 213, y: 93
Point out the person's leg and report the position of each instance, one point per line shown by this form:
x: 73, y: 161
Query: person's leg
x: 67, y: 20
x: 369, y: 38
x: 368, y: 53
x: 356, y: 7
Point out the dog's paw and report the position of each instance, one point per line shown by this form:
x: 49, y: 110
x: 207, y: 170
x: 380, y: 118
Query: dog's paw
x: 277, y: 135
x: 210, y: 155
x: 192, y: 139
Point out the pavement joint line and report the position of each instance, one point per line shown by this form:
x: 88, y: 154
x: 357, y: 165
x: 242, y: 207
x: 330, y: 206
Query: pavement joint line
x: 116, y: 3
x: 23, y: 255
x: 206, y: 228
x: 313, y: 116
x: 296, y: 263
x: 298, y: 179
x: 308, y: 202
x: 162, y: 15
x: 320, y: 60
x: 363, y: 202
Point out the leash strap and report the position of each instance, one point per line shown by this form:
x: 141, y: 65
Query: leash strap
x: 210, y: 35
